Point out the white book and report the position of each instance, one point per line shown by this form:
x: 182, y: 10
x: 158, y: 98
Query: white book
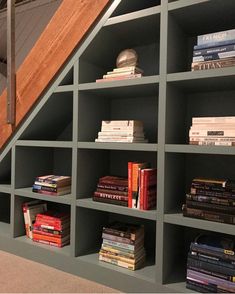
x: 121, y: 133
x: 212, y: 139
x: 213, y: 119
x: 127, y: 68
x: 216, y: 133
x: 124, y: 123
x: 213, y: 126
x: 213, y: 143
x: 124, y: 140
x: 221, y: 55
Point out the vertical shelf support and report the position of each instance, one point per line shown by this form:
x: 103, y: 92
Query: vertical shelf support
x: 11, y: 75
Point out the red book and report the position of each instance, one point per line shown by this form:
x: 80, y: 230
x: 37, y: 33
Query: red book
x: 130, y: 184
x: 148, y: 183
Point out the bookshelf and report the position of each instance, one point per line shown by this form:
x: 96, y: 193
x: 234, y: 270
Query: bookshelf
x: 58, y: 137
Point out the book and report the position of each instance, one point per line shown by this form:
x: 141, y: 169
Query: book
x: 122, y: 77
x: 42, y: 236
x: 208, y: 215
x: 227, y: 35
x: 123, y: 123
x: 121, y: 239
x: 123, y: 140
x: 110, y: 201
x: 121, y: 252
x: 113, y: 180
x: 125, y: 230
x: 213, y: 50
x: 111, y: 191
x: 52, y: 189
x: 209, y: 206
x: 31, y: 216
x: 52, y: 243
x: 213, y: 183
x: 121, y: 263
x: 111, y: 196
x: 111, y: 74
x: 60, y: 193
x: 212, y: 143
x: 135, y: 183
x: 212, y: 64
x: 114, y: 188
x: 52, y: 215
x: 212, y: 132
x: 213, y: 44
x: 148, y: 182
x: 211, y: 139
x: 214, y: 56
x: 121, y: 258
x: 211, y: 199
x: 214, y: 120
x: 54, y: 179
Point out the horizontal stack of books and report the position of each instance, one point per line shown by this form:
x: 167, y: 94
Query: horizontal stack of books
x: 30, y: 211
x: 121, y: 73
x: 112, y: 190
x: 211, y: 199
x: 52, y: 228
x: 211, y: 264
x: 142, y: 185
x: 214, y: 50
x: 126, y: 131
x: 52, y: 185
x: 123, y: 245
x: 213, y: 131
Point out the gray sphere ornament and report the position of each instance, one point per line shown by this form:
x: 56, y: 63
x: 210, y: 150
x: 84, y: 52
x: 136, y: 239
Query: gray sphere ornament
x: 127, y: 57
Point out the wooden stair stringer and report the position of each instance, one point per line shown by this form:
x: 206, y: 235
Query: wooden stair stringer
x: 64, y: 33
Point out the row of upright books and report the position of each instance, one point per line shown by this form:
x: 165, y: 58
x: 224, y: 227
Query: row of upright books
x: 211, y: 264
x: 212, y: 131
x: 46, y: 226
x: 137, y: 191
x: 123, y: 245
x: 53, y: 185
x: 215, y: 50
x: 125, y: 131
x: 211, y: 199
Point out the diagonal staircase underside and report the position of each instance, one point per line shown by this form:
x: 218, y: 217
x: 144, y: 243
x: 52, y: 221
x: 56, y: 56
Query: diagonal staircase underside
x: 63, y: 34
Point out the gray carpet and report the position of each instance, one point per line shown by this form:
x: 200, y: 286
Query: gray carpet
x: 19, y: 275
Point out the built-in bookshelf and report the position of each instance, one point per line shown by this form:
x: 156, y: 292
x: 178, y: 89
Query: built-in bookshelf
x: 58, y: 137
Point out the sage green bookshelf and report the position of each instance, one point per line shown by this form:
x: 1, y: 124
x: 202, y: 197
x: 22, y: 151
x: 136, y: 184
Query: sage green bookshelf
x: 59, y: 135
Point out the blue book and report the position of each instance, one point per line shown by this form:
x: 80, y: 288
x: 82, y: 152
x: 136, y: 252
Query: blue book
x: 214, y: 50
x: 227, y: 35
x: 213, y: 44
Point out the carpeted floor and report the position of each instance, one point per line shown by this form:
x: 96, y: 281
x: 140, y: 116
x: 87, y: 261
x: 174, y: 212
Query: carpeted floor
x: 15, y: 271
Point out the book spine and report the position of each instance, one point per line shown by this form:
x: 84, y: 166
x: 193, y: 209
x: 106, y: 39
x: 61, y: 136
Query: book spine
x: 51, y: 243
x: 118, y: 239
x: 213, y: 44
x: 209, y: 39
x: 111, y: 196
x: 128, y: 235
x: 117, y: 262
x: 51, y: 193
x: 122, y: 77
x: 114, y: 192
x: 219, y: 63
x: 214, y: 56
x: 210, y: 279
x: 213, y: 251
x: 212, y: 269
x: 213, y: 193
x: 110, y: 201
x: 212, y: 207
x: 123, y: 123
x: 37, y: 236
x: 26, y: 220
x: 118, y: 74
x: 113, y: 187
x: 118, y: 244
x: 130, y: 261
x: 130, y: 166
x: 200, y: 287
x: 213, y: 120
x: 217, y: 133
x: 214, y: 50
x: 208, y: 215
x: 211, y: 199
x: 51, y: 189
x: 142, y: 186
x: 44, y: 232
x: 212, y: 139
x: 51, y: 226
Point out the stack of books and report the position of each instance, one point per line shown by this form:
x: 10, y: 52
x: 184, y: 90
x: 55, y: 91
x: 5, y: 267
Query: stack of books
x: 215, y: 131
x: 52, y: 185
x: 211, y: 199
x: 52, y: 228
x: 112, y: 190
x: 126, y: 131
x: 214, y: 50
x: 123, y: 245
x: 142, y: 185
x: 121, y: 73
x: 211, y: 264
x: 30, y: 211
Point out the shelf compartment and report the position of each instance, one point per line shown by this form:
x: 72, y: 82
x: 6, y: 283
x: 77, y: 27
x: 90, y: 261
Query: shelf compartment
x: 179, y: 219
x: 128, y: 7
x: 53, y: 121
x: 175, y: 257
x: 36, y: 161
x: 89, y: 239
x: 100, y: 57
x: 203, y: 80
x: 108, y: 107
x: 181, y: 168
x: 5, y: 207
x: 184, y: 27
x: 119, y: 146
x: 89, y: 203
x: 66, y: 250
x: 19, y: 225
x: 183, y: 105
x: 93, y: 164
x: 5, y: 171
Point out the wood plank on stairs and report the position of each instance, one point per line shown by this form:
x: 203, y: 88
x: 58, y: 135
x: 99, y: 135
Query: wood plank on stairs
x: 68, y: 26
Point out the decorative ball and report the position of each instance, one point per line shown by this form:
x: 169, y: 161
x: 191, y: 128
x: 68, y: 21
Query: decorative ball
x: 127, y: 57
